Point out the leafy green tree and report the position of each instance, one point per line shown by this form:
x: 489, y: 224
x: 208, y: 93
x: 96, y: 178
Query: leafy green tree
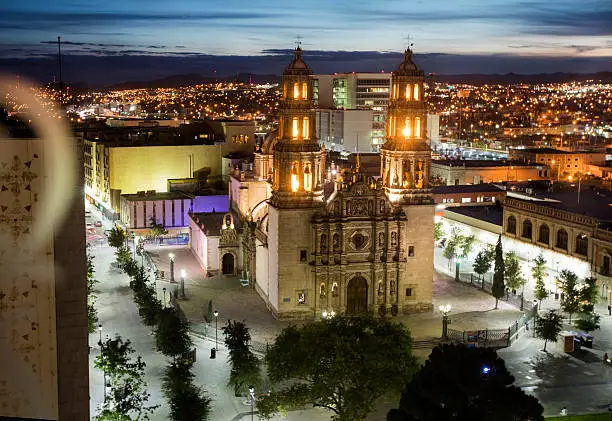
x: 548, y: 326
x: 145, y: 297
x: 538, y: 271
x: 187, y: 402
x: 127, y: 398
x: 588, y: 322
x: 589, y: 294
x: 452, y: 247
x: 459, y: 383
x: 482, y: 262
x: 438, y: 231
x: 467, y: 244
x: 172, y: 334
x: 157, y: 230
x: 499, y: 270
x: 92, y: 313
x: 513, y: 277
x: 245, y: 365
x: 570, y: 287
x: 343, y: 364
x: 116, y: 237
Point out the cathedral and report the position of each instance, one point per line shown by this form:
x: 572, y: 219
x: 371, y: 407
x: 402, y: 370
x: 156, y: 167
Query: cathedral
x: 313, y: 246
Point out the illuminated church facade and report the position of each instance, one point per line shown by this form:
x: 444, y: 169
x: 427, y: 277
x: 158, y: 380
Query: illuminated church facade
x: 367, y: 245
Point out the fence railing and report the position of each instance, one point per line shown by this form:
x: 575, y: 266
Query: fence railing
x: 517, y: 300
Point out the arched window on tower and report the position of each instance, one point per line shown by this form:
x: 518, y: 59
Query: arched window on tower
x: 407, y: 129
x: 417, y: 127
x: 295, y: 182
x: 323, y: 247
x: 305, y: 128
x: 395, y: 91
x: 295, y: 129
x: 285, y: 90
x: 408, y: 96
x: 296, y: 91
x: 308, y: 176
x: 304, y: 90
x: 416, y: 92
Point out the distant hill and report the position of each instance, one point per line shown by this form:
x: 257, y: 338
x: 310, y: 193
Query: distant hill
x: 191, y: 79
x: 513, y: 78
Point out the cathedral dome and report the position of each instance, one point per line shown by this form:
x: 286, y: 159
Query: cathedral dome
x: 297, y: 65
x: 407, y: 67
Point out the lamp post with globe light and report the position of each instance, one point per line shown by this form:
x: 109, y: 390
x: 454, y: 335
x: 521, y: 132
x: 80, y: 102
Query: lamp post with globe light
x: 445, y: 310
x: 216, y: 314
x: 252, y: 395
x: 171, y: 255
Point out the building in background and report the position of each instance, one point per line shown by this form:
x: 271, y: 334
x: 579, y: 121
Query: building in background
x: 132, y: 156
x: 44, y: 368
x: 468, y: 195
x: 448, y: 172
x: 346, y: 130
x: 562, y: 163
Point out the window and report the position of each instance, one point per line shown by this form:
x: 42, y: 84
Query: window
x: 511, y: 226
x: 308, y: 176
x: 295, y: 183
x: 417, y: 127
x: 301, y: 298
x: 408, y: 96
x: 296, y: 91
x: 322, y: 291
x: 416, y: 92
x: 303, y: 255
x: 305, y: 128
x: 304, y: 90
x: 295, y: 128
x: 527, y: 229
x: 544, y: 233
x: 561, y: 239
x: 335, y: 289
x: 410, y: 251
x: 466, y: 200
x: 285, y: 90
x: 408, y: 292
x: 582, y: 245
x: 407, y: 132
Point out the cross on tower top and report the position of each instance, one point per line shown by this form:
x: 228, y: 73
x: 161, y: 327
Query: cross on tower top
x: 298, y: 41
x: 408, y: 42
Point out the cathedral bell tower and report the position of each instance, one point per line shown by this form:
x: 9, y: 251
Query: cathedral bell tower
x: 297, y: 154
x: 405, y: 156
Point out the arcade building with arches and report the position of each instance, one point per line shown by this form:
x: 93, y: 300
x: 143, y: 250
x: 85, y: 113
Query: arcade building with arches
x: 311, y: 245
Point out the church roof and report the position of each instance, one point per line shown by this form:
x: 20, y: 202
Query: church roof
x: 407, y: 67
x: 211, y: 222
x: 297, y: 64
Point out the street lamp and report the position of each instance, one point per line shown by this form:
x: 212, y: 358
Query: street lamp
x: 183, y: 274
x: 134, y: 243
x: 252, y: 395
x: 216, y: 314
x: 164, y: 289
x: 100, y: 337
x: 445, y: 310
x: 171, y: 255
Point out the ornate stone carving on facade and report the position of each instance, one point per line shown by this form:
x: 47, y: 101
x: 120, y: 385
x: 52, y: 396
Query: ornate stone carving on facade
x: 229, y: 236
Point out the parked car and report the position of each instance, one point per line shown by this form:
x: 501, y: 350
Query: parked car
x: 98, y: 223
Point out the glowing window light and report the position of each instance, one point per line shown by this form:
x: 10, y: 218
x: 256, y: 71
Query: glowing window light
x: 296, y: 91
x: 307, y: 177
x: 306, y: 128
x: 295, y: 183
x: 295, y: 128
x: 406, y: 132
x: 304, y: 90
x: 416, y: 92
x: 408, y: 96
x: 285, y: 90
x: 417, y: 127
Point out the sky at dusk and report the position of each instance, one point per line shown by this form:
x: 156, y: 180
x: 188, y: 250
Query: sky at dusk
x: 523, y: 33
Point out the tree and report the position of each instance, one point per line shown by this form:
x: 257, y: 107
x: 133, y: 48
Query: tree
x: 92, y: 313
x: 116, y: 237
x: 466, y: 244
x: 157, y: 230
x: 498, y: 288
x: 589, y: 294
x: 127, y: 397
x: 482, y: 262
x: 187, y: 402
x: 588, y: 322
x: 209, y: 314
x: 540, y: 292
x: 245, y: 365
x: 438, y: 231
x: 343, y: 364
x: 513, y: 277
x: 172, y: 334
x: 460, y: 383
x: 571, y: 292
x: 548, y: 326
x: 451, y: 250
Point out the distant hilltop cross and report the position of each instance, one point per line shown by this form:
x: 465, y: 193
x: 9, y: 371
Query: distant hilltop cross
x: 298, y: 41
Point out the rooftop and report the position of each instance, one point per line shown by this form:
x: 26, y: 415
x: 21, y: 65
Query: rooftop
x: 153, y: 195
x: 211, y: 223
x: 481, y: 163
x: 467, y: 188
x: 491, y: 214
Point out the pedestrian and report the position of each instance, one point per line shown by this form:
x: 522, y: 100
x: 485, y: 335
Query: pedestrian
x: 605, y: 357
x: 526, y: 324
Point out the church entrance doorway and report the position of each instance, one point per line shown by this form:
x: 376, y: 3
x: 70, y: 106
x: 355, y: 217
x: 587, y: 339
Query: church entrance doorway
x: 357, y: 296
x: 227, y: 264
